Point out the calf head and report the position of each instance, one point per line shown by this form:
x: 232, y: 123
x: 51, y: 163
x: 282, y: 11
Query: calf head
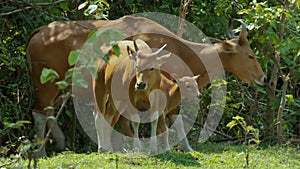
x: 188, y: 86
x: 147, y: 64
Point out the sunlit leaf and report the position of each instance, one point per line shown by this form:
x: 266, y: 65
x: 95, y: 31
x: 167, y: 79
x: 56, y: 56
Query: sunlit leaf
x: 81, y: 6
x: 249, y: 128
x: 238, y: 118
x: 231, y: 124
x: 290, y: 98
x: 92, y: 8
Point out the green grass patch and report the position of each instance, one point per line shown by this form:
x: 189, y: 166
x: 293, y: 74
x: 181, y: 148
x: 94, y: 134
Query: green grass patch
x: 208, y: 155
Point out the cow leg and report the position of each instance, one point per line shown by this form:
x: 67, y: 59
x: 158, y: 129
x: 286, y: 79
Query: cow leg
x: 40, y: 121
x: 99, y: 125
x: 108, y: 126
x: 135, y: 125
x: 163, y: 129
x: 125, y: 126
x: 153, y: 138
x: 57, y: 135
x: 180, y: 132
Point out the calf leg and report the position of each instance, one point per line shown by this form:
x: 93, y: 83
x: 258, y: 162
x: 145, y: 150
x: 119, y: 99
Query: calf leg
x: 180, y: 132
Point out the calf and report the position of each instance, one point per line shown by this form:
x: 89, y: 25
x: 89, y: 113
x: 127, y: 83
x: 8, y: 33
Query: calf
x: 185, y: 87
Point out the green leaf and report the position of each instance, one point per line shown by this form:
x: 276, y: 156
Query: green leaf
x: 48, y: 75
x: 62, y: 84
x: 108, y: 35
x: 92, y: 33
x: 92, y: 67
x: 73, y: 57
x: 69, y: 73
x: 116, y: 49
x: 64, y: 6
x: 79, y: 81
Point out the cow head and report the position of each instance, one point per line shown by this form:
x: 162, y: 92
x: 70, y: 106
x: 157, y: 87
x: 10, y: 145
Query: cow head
x: 188, y: 86
x: 147, y: 64
x: 239, y: 59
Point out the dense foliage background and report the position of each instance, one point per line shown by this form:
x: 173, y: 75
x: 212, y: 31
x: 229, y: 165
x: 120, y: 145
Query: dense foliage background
x: 274, y: 31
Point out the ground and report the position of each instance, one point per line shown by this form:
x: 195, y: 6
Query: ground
x: 207, y: 155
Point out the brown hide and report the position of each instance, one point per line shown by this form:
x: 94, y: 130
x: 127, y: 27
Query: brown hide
x: 50, y: 45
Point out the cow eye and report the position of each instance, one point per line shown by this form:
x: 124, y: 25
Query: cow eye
x: 251, y: 56
x: 188, y: 86
x: 151, y: 69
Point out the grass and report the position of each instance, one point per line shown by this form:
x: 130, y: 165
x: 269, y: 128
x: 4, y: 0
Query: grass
x: 208, y: 155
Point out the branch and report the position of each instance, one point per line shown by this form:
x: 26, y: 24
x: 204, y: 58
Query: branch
x: 200, y: 125
x: 30, y: 6
x: 65, y: 99
x: 184, y: 4
x: 281, y: 108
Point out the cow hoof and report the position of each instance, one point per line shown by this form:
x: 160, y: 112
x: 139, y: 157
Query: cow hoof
x: 168, y: 150
x: 40, y: 154
x: 187, y: 149
x: 137, y: 145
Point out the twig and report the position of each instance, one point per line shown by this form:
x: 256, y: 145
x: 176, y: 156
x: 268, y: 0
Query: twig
x: 65, y: 99
x: 30, y: 6
x: 215, y: 131
x: 184, y: 4
x: 280, y: 109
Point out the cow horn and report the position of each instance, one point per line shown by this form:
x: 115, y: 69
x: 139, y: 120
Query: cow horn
x: 135, y: 46
x: 160, y: 49
x: 229, y: 30
x: 244, y: 26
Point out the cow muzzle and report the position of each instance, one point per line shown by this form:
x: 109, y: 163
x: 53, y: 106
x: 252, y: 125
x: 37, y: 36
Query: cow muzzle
x: 261, y: 82
x: 141, y: 86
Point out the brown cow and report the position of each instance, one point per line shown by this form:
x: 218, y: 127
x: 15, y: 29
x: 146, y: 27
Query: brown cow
x: 184, y: 87
x: 50, y: 45
x: 140, y: 73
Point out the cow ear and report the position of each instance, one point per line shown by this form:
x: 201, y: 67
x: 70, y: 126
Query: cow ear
x: 243, y: 38
x: 228, y: 47
x: 131, y: 53
x: 162, y: 59
x: 175, y: 77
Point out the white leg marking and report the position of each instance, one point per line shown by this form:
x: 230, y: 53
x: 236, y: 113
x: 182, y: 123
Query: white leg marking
x: 98, y: 125
x: 40, y: 121
x: 57, y: 134
x: 137, y: 145
x: 153, y: 139
x: 180, y: 132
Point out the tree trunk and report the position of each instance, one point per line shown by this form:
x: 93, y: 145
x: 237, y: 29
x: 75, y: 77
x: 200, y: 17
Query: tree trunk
x: 271, y: 87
